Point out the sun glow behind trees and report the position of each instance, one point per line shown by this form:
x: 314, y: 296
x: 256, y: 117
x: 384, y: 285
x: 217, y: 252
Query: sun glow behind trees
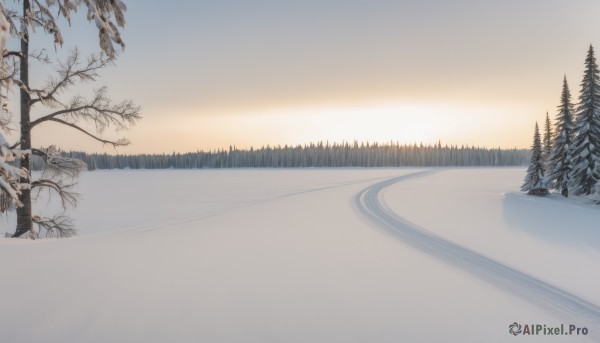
x: 380, y: 122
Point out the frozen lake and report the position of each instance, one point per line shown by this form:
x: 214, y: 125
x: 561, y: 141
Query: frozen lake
x: 305, y: 255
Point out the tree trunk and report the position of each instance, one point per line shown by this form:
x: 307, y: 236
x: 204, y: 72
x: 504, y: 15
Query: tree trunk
x: 24, y: 222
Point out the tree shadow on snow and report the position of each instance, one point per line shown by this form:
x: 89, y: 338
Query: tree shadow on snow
x: 553, y: 218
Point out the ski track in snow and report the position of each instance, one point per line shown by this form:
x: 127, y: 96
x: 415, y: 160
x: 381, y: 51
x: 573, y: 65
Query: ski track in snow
x: 557, y: 301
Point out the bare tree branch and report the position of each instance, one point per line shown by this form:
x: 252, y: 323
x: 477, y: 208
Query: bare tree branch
x: 117, y: 143
x: 67, y: 198
x: 18, y: 54
x: 38, y: 152
x: 15, y: 145
x: 99, y: 110
x: 58, y: 113
x: 59, y: 226
x: 40, y: 56
x: 69, y: 72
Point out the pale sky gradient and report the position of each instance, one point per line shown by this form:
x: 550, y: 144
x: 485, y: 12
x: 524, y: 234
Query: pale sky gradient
x: 210, y: 74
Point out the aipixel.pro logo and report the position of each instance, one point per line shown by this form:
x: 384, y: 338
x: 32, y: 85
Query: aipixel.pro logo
x: 516, y: 329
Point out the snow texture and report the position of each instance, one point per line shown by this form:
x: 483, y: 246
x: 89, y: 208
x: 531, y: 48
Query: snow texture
x: 307, y: 255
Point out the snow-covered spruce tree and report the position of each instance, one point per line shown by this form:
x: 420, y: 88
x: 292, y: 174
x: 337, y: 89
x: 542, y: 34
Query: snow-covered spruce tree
x: 534, y: 180
x: 585, y: 149
x: 77, y: 113
x: 558, y: 165
x: 547, y: 139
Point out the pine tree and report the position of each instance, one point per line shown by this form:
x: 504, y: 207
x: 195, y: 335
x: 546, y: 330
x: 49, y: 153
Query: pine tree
x: 559, y: 161
x: 586, y: 144
x: 534, y: 180
x: 547, y: 142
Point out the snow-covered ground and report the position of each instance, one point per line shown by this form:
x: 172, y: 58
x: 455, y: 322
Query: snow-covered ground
x: 312, y: 255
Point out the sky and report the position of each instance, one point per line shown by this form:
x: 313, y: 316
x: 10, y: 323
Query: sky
x: 214, y: 74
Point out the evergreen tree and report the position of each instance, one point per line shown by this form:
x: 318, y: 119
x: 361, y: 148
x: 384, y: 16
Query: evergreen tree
x: 547, y: 142
x: 559, y: 162
x: 534, y: 180
x: 586, y: 144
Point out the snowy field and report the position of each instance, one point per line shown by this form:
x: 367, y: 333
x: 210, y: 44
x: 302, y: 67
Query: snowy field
x: 309, y: 255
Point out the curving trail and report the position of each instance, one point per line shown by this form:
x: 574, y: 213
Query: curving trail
x: 557, y: 301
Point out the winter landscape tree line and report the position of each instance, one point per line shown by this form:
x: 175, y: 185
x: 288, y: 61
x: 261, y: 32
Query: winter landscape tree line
x: 321, y: 154
x: 567, y: 158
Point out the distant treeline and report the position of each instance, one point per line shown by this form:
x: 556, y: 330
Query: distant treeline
x: 312, y: 155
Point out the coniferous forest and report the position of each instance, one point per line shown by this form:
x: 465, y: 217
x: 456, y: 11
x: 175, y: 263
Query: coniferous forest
x: 312, y: 155
x: 567, y: 159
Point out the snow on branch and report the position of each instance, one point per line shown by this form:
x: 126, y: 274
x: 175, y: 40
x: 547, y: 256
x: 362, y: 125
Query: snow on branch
x: 4, y: 27
x: 40, y: 16
x: 8, y: 69
x: 10, y: 177
x: 60, y: 165
x: 108, y: 16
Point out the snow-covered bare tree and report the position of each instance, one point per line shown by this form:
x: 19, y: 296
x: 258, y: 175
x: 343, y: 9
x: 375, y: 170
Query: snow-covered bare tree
x: 534, y: 180
x: 558, y: 164
x: 10, y: 187
x: 50, y: 101
x: 586, y: 143
x: 547, y: 139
